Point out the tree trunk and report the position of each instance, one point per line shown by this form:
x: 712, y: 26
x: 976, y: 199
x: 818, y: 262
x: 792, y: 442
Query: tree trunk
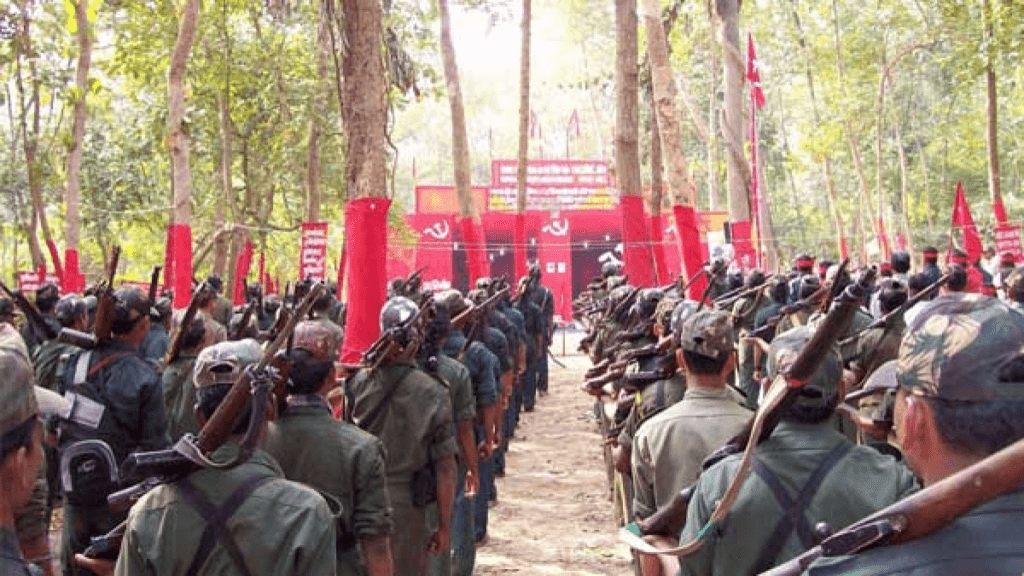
x: 712, y: 145
x: 524, y: 108
x: 992, y: 113
x: 73, y: 221
x: 313, y: 200
x: 460, y: 143
x: 669, y: 126
x: 732, y: 126
x: 903, y: 208
x: 223, y: 241
x: 657, y: 164
x: 176, y: 113
x: 364, y: 114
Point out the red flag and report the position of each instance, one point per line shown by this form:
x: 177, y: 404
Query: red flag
x: 1000, y: 211
x: 754, y: 75
x: 962, y: 218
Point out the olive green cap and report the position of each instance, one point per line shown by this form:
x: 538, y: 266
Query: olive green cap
x: 224, y: 362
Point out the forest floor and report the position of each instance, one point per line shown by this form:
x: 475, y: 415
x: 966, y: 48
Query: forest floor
x: 554, y: 514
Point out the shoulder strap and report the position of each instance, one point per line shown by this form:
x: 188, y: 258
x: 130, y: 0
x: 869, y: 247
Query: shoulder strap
x: 216, y: 518
x: 370, y: 419
x: 793, y: 511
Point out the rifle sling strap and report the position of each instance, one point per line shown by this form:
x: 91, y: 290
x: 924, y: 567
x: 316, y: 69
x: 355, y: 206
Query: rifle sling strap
x: 367, y: 422
x: 216, y: 518
x: 794, y: 516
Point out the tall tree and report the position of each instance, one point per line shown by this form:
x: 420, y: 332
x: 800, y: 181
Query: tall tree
x: 991, y: 107
x: 72, y: 197
x: 738, y: 172
x: 524, y: 141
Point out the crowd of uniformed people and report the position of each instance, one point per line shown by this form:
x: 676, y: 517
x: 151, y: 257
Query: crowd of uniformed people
x: 918, y: 375
x: 109, y: 401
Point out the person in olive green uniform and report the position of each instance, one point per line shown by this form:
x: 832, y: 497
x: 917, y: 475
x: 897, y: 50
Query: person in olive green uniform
x: 179, y: 393
x: 804, y: 474
x: 959, y: 378
x: 744, y: 313
x: 124, y: 390
x: 155, y: 345
x: 21, y: 453
x: 671, y: 446
x: 269, y: 525
x: 334, y: 334
x: 412, y: 415
x: 333, y: 457
x: 222, y: 306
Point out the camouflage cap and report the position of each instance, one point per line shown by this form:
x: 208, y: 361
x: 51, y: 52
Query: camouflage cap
x: 958, y: 348
x: 315, y: 338
x: 130, y: 304
x: 825, y: 381
x: 17, y: 400
x: 223, y: 362
x: 708, y: 333
x: 663, y: 314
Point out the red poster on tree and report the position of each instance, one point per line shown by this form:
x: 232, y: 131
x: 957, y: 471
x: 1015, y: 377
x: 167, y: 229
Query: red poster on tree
x: 313, y: 254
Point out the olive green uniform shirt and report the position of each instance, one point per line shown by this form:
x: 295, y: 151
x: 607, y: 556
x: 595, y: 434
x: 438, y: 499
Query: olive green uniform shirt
x: 180, y: 398
x: 281, y: 528
x: 861, y: 482
x: 460, y: 387
x: 669, y: 449
x: 341, y: 460
x: 650, y: 401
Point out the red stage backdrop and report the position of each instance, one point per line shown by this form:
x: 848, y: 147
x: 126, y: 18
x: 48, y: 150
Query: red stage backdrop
x: 434, y: 248
x: 313, y: 251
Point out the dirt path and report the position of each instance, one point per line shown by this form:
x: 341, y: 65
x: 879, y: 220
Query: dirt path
x: 553, y: 514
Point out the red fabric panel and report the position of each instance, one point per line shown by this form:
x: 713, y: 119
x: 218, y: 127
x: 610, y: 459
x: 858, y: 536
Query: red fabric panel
x: 658, y: 246
x: 181, y: 261
x: 519, y: 246
x: 242, y: 266
x: 746, y: 256
x: 962, y: 218
x: 401, y: 256
x: 73, y: 281
x: 339, y: 291
x: 169, y: 259
x: 1000, y: 212
x: 366, y: 231
x: 263, y: 269
x: 635, y: 243
x: 670, y: 242
x: 41, y: 273
x: 434, y: 247
x: 476, y: 250
x: 690, y: 247
x: 554, y: 255
x: 55, y: 257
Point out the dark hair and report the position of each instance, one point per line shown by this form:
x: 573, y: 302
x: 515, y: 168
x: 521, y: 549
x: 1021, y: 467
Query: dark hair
x: 701, y: 364
x: 891, y: 297
x: 307, y: 373
x: 18, y: 437
x: 780, y: 291
x: 323, y: 303
x: 982, y: 428
x: 808, y: 413
x: 957, y: 278
x: 47, y: 297
x: 207, y: 400
x: 123, y: 327
x: 917, y: 282
x: 194, y: 335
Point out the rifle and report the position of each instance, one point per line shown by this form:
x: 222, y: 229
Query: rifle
x: 726, y: 300
x: 779, y: 397
x: 833, y: 290
x: 31, y: 312
x: 105, y: 306
x: 243, y: 324
x: 154, y: 281
x: 888, y: 318
x: 924, y: 512
x: 787, y: 310
x: 475, y: 314
x: 383, y: 347
x: 178, y: 341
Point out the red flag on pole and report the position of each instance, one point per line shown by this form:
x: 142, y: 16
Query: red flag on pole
x: 754, y: 75
x: 1000, y: 211
x: 962, y: 218
x: 756, y: 103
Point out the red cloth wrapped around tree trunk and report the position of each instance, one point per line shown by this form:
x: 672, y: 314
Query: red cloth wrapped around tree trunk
x: 519, y: 248
x: 169, y: 259
x: 366, y: 234
x: 72, y: 281
x: 658, y: 247
x: 55, y: 257
x: 690, y: 247
x: 181, y: 258
x: 635, y: 243
x: 476, y: 250
x: 242, y: 267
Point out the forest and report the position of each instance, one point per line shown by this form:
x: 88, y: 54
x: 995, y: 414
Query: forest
x: 244, y: 119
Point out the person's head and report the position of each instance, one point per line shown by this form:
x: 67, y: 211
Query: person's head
x: 683, y: 310
x: 453, y: 301
x: 930, y: 255
x: 892, y: 295
x: 131, y: 316
x: 485, y: 284
x: 960, y: 372
x: 254, y: 291
x: 900, y: 261
x: 1007, y: 262
x: 312, y: 358
x: 823, y: 267
x: 644, y: 306
x: 885, y: 269
x: 215, y: 283
x: 20, y: 450
x: 609, y: 269
x: 706, y: 346
x: 47, y: 296
x: 1014, y: 285
x: 216, y: 370
x: 808, y: 285
x: 663, y: 316
x: 161, y: 312
x: 804, y: 264
x: 959, y: 258
x: 72, y: 312
x: 957, y: 279
x: 818, y: 398
x: 735, y: 279
x: 396, y: 316
x: 8, y: 311
x: 916, y: 283
x: 755, y: 278
x: 837, y: 278
x: 780, y: 291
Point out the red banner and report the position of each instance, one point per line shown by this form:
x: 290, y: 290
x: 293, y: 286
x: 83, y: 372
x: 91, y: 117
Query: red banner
x: 181, y: 242
x: 1008, y: 240
x: 313, y: 252
x: 635, y: 242
x: 661, y: 273
x: 962, y: 218
x: 28, y: 282
x: 743, y: 248
x: 476, y: 250
x: 555, y: 258
x: 366, y: 233
x: 433, y: 248
x: 673, y: 259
